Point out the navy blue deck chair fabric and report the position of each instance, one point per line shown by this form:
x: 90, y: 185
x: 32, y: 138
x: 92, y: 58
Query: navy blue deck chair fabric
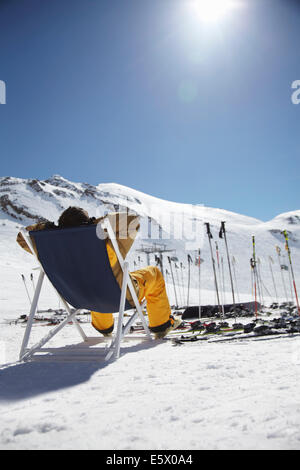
x: 76, y: 262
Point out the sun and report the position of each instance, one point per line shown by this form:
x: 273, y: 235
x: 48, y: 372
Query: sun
x: 212, y: 10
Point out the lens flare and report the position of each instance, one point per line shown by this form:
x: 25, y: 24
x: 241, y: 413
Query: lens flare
x: 212, y: 10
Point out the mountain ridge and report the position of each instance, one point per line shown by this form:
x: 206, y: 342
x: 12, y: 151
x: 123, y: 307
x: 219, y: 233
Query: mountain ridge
x: 57, y: 190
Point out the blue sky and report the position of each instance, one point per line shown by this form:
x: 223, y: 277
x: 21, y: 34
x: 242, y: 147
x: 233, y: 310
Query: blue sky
x: 146, y: 94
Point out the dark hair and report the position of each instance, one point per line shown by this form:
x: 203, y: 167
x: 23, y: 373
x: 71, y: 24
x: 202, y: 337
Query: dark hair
x: 72, y: 217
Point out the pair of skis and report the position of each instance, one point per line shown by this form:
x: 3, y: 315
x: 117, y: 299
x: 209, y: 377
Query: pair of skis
x: 272, y: 329
x: 227, y: 337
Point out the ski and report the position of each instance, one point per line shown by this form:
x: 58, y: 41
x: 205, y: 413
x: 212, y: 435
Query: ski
x: 225, y: 337
x: 256, y: 337
x: 223, y: 331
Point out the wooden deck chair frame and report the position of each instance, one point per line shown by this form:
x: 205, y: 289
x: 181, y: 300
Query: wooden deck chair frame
x: 113, y: 350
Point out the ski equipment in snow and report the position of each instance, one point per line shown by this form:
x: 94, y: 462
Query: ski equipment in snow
x: 189, y: 279
x: 278, y: 250
x: 170, y: 263
x: 24, y: 281
x: 291, y: 266
x: 222, y: 233
x: 220, y: 277
x: 253, y: 266
x: 234, y: 273
x: 271, y: 261
x: 199, y: 265
x: 209, y: 234
x: 182, y: 280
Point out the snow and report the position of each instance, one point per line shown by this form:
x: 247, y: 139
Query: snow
x: 233, y: 395
x: 208, y: 396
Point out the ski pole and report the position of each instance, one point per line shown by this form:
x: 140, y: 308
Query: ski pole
x: 253, y: 281
x: 253, y: 264
x: 178, y: 282
x: 234, y: 273
x: 31, y: 278
x: 170, y: 263
x: 199, y: 264
x: 291, y: 285
x: 260, y: 291
x: 258, y: 282
x: 271, y: 261
x: 181, y: 267
x: 219, y: 271
x: 291, y: 265
x: 251, y: 269
x: 159, y: 263
x: 167, y: 282
x: 24, y: 281
x: 282, y: 278
x: 213, y: 264
x: 223, y: 280
x: 221, y: 233
x: 189, y: 280
x: 263, y: 284
x: 161, y: 259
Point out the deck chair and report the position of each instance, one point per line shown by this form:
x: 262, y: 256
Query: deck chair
x: 75, y: 260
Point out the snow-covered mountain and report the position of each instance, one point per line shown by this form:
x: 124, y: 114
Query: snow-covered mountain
x: 176, y: 227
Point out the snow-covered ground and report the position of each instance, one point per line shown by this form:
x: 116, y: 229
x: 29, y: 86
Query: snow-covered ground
x: 156, y: 396
x: 233, y: 395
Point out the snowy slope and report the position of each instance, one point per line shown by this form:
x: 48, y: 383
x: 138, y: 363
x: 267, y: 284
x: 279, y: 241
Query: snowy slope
x: 23, y: 202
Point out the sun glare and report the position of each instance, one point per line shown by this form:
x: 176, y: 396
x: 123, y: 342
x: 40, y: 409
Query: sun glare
x: 212, y: 10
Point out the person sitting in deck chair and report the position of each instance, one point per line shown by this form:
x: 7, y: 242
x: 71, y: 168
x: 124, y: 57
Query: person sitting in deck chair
x: 148, y: 282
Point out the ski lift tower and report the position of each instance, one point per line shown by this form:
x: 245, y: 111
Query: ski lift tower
x: 156, y: 248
